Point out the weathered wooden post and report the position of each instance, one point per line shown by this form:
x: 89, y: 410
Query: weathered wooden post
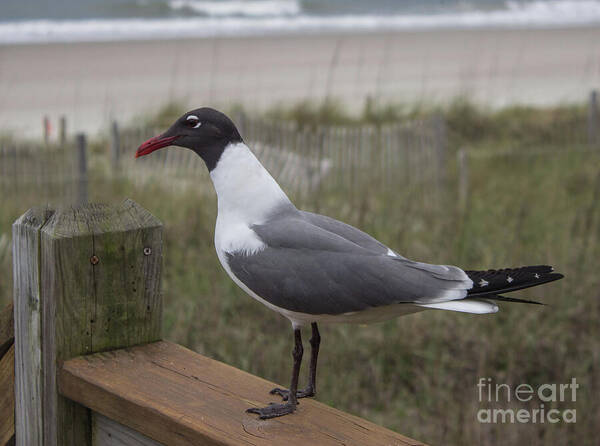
x: 82, y: 170
x: 87, y: 279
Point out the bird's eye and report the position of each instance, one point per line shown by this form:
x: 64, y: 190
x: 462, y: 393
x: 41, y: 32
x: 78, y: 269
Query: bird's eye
x: 193, y: 121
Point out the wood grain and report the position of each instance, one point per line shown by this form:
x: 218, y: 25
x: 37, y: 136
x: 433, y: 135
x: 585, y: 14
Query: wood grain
x: 90, y: 279
x: 177, y: 397
x: 7, y: 376
x: 107, y: 432
x: 28, y: 356
x: 95, y: 305
x: 7, y: 396
x: 7, y: 329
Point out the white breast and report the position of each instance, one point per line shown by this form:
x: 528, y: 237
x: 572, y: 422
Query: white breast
x: 247, y: 194
x: 232, y: 236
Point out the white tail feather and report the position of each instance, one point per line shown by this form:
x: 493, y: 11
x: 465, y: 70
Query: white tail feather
x: 465, y: 306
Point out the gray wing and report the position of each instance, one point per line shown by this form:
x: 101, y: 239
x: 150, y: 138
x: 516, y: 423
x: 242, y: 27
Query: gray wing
x: 372, y: 244
x: 309, y: 269
x: 346, y: 231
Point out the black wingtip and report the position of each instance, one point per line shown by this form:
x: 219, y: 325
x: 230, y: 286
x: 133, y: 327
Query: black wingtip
x: 552, y: 277
x: 493, y: 282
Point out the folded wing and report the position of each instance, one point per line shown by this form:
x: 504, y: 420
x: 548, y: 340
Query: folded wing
x: 320, y: 266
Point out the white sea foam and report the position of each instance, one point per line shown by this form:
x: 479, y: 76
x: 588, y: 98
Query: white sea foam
x: 533, y: 14
x: 248, y: 8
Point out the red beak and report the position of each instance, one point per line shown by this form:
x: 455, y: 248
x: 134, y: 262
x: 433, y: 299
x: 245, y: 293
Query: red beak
x: 158, y: 142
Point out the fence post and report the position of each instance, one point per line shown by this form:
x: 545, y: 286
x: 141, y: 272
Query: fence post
x: 28, y: 376
x: 87, y: 279
x: 82, y: 170
x: 63, y: 131
x: 46, y: 130
x: 115, y: 146
x: 593, y: 118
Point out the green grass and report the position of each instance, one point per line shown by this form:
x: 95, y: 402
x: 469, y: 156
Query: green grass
x: 416, y: 374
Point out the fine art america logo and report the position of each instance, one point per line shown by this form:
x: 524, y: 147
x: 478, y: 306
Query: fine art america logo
x: 544, y: 402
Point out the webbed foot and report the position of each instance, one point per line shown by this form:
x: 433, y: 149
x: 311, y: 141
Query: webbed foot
x: 284, y: 393
x: 273, y: 410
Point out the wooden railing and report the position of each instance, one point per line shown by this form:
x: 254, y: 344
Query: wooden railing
x: 7, y: 377
x: 90, y: 365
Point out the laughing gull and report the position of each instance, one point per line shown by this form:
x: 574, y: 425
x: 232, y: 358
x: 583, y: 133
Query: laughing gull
x: 311, y: 268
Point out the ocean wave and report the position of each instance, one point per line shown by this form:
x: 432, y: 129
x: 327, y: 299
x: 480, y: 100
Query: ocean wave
x: 250, y: 8
x: 516, y: 14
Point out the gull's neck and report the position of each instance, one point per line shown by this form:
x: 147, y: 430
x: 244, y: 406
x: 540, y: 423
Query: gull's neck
x: 246, y: 192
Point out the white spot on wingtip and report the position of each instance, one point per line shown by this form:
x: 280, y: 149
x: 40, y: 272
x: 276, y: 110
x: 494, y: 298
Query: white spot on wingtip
x: 483, y: 282
x: 509, y: 279
x: 537, y: 276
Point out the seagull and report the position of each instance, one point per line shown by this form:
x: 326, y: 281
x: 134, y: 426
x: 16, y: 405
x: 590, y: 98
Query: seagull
x: 314, y: 269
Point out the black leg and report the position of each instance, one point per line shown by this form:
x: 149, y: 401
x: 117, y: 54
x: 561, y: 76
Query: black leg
x: 315, y: 342
x: 311, y: 389
x: 276, y: 410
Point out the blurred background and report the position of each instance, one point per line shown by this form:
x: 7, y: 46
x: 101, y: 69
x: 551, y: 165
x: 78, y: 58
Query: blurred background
x: 462, y: 132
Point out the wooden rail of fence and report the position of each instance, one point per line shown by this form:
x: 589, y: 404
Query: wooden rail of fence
x: 7, y: 377
x: 90, y: 365
x: 34, y: 167
x: 57, y: 173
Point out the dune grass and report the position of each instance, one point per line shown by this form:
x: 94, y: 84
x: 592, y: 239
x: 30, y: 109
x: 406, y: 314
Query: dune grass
x: 417, y: 374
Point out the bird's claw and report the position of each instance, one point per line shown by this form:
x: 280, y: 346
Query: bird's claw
x: 272, y: 410
x: 285, y: 394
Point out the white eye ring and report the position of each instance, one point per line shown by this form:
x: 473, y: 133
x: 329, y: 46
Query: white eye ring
x: 194, y: 118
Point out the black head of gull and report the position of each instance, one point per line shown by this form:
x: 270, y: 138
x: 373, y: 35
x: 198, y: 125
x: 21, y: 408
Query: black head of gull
x: 311, y: 268
x: 205, y: 130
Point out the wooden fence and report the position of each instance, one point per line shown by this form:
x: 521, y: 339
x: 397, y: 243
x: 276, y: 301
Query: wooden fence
x: 307, y: 159
x: 45, y: 172
x: 90, y: 365
x: 304, y: 160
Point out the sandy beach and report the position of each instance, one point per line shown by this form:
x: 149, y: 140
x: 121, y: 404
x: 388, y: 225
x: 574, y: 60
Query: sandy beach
x: 92, y: 83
